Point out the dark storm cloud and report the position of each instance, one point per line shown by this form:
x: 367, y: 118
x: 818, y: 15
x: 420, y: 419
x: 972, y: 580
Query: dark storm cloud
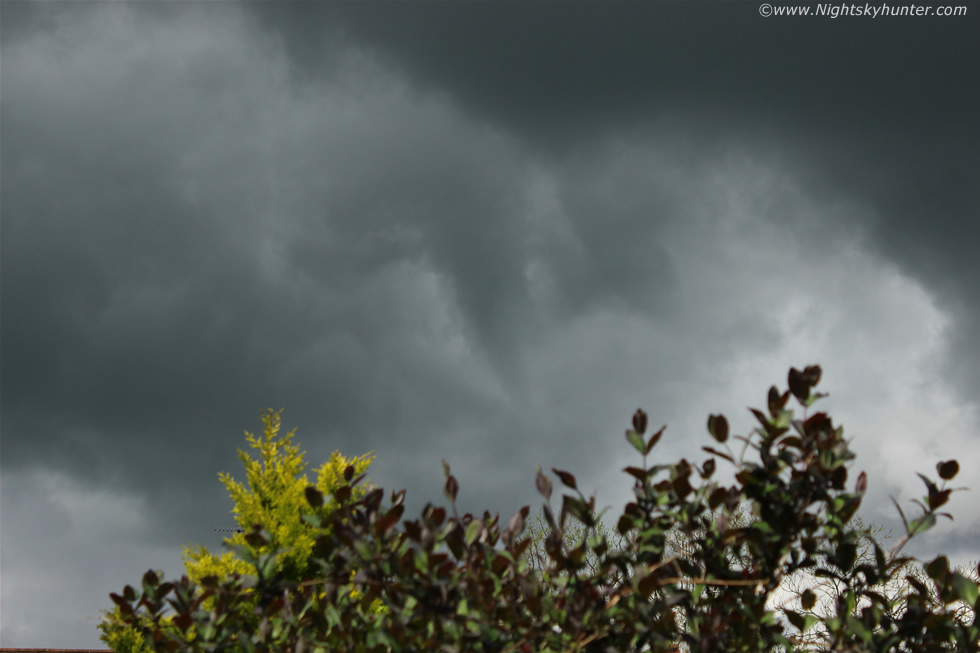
x: 881, y: 110
x: 558, y: 72
x: 485, y: 232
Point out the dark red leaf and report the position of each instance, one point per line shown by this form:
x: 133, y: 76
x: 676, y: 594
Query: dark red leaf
x: 390, y: 519
x: 654, y: 439
x: 718, y: 427
x: 948, y: 469
x: 452, y: 488
x: 640, y: 421
x: 183, y: 621
x: 646, y: 586
x: 517, y: 521
x: 566, y: 478
x: 797, y: 385
x: 815, y: 422
x: 256, y: 540
x: 682, y: 487
x: 791, y: 441
x: 314, y: 497
x: 719, y: 453
x: 839, y: 477
x: 759, y: 415
x: 939, y: 499
x: 717, y: 497
x: 413, y: 530
x: 543, y: 484
x: 929, y: 484
x: 812, y: 375
x: 397, y: 498
x: 862, y: 484
x: 637, y: 473
x: 808, y: 600
x: 773, y: 401
x: 437, y: 516
x: 342, y: 494
x: 709, y: 468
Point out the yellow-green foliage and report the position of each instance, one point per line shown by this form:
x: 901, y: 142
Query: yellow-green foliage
x: 123, y: 639
x: 276, y: 499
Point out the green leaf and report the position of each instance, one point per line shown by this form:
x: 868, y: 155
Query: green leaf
x: 807, y: 600
x: 636, y: 440
x: 473, y: 531
x: 808, y: 621
x: 795, y: 618
x: 849, y: 508
x: 268, y: 567
x: 815, y: 396
x: 784, y: 418
x: 965, y: 589
x: 846, y: 555
x: 578, y: 508
x: 858, y: 628
x: 697, y: 592
x: 938, y: 568
x: 922, y: 524
x: 763, y: 527
x: 901, y: 514
x: 879, y: 559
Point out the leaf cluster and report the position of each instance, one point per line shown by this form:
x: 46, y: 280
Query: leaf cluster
x: 698, y: 564
x: 275, y: 496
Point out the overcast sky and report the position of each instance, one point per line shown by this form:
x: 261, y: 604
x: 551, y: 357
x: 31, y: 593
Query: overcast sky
x: 483, y: 232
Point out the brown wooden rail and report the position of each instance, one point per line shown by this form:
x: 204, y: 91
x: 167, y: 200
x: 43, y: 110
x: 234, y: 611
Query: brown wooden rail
x: 98, y: 650
x: 91, y: 650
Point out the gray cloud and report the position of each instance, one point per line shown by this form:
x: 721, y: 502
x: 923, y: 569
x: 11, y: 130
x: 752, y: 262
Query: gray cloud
x: 486, y: 233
